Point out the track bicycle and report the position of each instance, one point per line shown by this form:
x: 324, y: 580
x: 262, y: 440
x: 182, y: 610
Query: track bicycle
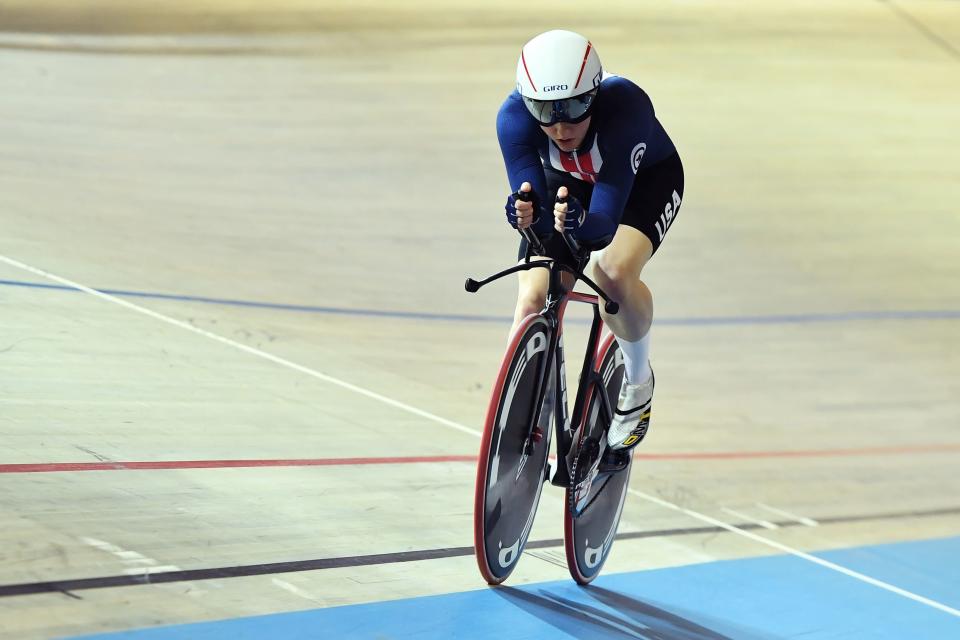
x: 530, y: 392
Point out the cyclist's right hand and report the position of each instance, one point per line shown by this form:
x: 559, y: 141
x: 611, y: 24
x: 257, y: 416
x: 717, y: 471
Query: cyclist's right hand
x: 522, y: 213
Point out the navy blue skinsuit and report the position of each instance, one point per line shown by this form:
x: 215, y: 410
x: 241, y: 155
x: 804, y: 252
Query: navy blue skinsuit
x: 624, y: 137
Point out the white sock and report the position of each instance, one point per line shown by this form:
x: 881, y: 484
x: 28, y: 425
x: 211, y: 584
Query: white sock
x: 636, y: 359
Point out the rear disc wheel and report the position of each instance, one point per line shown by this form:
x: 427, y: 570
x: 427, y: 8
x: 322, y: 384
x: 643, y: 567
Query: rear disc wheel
x: 589, y: 536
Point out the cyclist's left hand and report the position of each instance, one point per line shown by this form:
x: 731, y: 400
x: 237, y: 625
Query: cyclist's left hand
x: 568, y: 216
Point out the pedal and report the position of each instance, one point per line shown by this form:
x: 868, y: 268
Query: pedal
x: 561, y: 478
x: 615, y: 460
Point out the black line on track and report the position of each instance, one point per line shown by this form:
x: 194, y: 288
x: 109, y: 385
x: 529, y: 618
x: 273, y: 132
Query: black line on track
x: 68, y: 586
x: 923, y: 29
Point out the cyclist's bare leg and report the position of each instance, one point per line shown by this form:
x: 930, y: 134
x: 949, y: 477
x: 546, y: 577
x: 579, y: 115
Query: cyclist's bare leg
x: 532, y: 293
x: 617, y: 271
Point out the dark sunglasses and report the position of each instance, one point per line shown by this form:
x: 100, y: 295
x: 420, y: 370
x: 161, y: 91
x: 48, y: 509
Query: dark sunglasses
x: 572, y: 110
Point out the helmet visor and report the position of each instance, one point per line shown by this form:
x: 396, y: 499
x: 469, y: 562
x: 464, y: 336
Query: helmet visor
x: 550, y: 112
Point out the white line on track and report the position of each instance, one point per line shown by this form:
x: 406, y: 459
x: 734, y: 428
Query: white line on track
x: 810, y: 522
x: 142, y: 565
x: 146, y: 571
x: 459, y: 427
x: 295, y: 590
x: 763, y: 523
x: 799, y: 554
x: 242, y: 347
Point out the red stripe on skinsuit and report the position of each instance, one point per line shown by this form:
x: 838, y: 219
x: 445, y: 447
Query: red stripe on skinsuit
x: 586, y: 162
x: 569, y: 165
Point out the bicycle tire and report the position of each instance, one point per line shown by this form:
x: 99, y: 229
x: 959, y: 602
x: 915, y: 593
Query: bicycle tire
x: 507, y: 490
x: 599, y: 520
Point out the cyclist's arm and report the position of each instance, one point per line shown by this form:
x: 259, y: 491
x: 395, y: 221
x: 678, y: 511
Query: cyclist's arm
x: 623, y: 139
x: 519, y: 136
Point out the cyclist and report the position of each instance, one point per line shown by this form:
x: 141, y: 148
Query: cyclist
x: 572, y: 131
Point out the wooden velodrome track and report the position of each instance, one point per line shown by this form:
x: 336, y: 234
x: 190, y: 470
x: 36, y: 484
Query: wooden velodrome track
x: 340, y: 158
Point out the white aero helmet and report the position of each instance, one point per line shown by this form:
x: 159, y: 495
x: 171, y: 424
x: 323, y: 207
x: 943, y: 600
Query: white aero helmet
x: 558, y: 74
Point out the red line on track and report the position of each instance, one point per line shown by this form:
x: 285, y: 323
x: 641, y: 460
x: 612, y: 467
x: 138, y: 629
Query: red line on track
x: 220, y: 464
x: 53, y: 467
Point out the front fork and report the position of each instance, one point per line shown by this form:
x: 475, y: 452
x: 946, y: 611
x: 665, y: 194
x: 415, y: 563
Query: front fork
x: 590, y: 381
x: 553, y: 314
x: 554, y: 348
